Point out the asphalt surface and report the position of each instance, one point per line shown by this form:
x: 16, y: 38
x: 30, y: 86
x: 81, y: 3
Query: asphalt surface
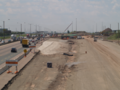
x: 5, y: 51
x: 6, y: 40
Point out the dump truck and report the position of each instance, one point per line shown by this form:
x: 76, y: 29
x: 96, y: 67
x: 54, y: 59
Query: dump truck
x: 95, y: 39
x: 79, y: 37
x: 25, y: 43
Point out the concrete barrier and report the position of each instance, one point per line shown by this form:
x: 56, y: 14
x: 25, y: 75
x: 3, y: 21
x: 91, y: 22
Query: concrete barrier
x: 7, y: 43
x: 18, y: 59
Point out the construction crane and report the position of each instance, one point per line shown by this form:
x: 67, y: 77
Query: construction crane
x: 67, y: 27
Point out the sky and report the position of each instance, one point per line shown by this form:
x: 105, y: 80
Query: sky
x: 57, y: 15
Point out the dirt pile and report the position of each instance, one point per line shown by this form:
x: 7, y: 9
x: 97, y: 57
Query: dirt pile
x: 54, y: 47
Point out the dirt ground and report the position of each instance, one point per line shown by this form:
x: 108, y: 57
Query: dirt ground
x: 36, y: 75
x: 54, y: 46
x: 93, y: 66
x: 99, y: 69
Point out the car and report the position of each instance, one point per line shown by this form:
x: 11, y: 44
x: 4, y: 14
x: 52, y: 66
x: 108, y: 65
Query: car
x: 14, y: 39
x: 14, y: 50
x: 79, y: 37
x: 30, y: 40
x: 29, y: 43
x: 0, y: 40
x: 33, y: 41
x: 20, y: 40
x: 3, y: 41
x: 36, y: 39
x: 9, y: 40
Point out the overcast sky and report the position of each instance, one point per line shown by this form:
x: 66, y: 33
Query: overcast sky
x: 56, y: 15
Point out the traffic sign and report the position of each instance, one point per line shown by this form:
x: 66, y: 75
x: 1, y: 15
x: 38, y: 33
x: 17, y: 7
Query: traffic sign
x: 11, y: 63
x: 32, y: 46
x: 25, y: 50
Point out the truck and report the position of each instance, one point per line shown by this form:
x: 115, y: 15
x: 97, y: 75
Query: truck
x: 95, y: 39
x: 28, y: 35
x: 13, y: 36
x: 79, y: 37
x: 25, y: 42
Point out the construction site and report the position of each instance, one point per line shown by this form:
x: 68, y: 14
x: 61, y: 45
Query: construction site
x: 67, y: 64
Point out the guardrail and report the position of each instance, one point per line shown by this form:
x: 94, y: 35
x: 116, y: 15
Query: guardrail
x: 18, y: 59
x: 8, y: 42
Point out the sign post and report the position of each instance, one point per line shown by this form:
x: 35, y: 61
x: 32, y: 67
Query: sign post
x: 32, y: 46
x: 12, y: 63
x: 25, y: 51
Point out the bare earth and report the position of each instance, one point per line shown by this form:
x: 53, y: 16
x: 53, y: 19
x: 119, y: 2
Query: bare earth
x: 98, y: 69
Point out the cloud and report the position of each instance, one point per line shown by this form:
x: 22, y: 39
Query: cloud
x: 15, y: 0
x: 0, y: 4
x: 48, y: 12
x: 115, y: 6
x: 113, y: 1
x: 1, y: 10
x: 8, y: 4
x: 9, y: 10
x: 28, y: 3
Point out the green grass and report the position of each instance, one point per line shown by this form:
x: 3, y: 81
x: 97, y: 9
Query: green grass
x: 113, y: 37
x: 21, y: 35
x: 7, y: 37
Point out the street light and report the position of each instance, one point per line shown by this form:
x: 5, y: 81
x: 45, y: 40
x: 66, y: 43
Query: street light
x: 9, y: 27
x: 18, y: 30
x: 24, y: 27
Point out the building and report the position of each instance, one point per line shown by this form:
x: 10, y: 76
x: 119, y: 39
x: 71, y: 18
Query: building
x: 42, y: 32
x: 6, y: 31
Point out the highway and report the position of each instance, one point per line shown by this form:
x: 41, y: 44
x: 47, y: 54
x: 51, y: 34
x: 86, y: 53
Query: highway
x: 6, y: 40
x: 5, y: 51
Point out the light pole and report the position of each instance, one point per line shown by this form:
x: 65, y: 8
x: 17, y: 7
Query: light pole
x: 36, y: 30
x: 76, y: 24
x: 24, y: 27
x: 18, y: 30
x: 30, y: 29
x: 9, y: 26
x: 21, y: 29
x: 4, y: 29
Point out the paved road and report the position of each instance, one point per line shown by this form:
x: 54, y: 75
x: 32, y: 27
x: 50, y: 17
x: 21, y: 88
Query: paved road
x: 5, y: 51
x: 6, y: 40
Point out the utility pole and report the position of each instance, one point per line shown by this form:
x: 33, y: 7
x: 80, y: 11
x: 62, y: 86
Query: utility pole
x: 96, y: 28
x: 4, y: 28
x: 36, y: 29
x: 118, y: 33
x: 110, y: 26
x: 24, y: 27
x: 30, y: 29
x: 72, y: 26
x: 21, y: 29
x: 102, y: 26
x: 76, y: 24
x: 16, y: 31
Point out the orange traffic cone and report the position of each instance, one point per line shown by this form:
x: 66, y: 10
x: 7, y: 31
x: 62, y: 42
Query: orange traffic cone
x: 9, y: 71
x: 16, y: 72
x: 25, y: 55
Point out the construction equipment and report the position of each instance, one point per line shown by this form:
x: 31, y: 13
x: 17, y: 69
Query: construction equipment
x: 25, y: 42
x: 95, y: 39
